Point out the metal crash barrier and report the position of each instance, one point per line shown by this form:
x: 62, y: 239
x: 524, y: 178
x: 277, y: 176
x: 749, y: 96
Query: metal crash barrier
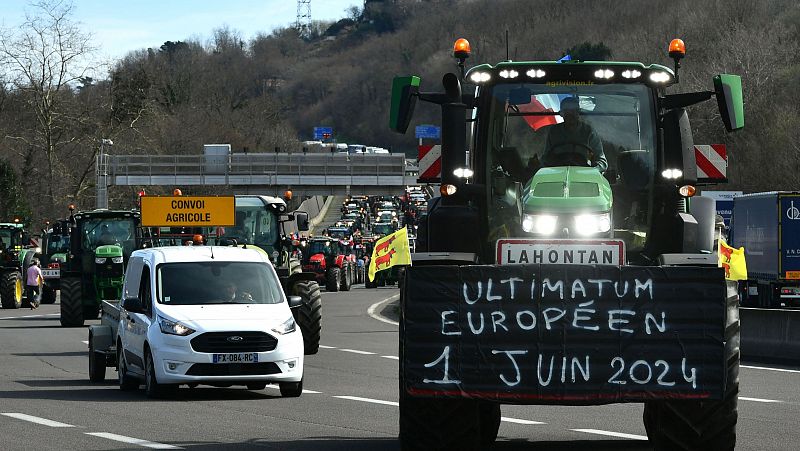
x: 770, y: 335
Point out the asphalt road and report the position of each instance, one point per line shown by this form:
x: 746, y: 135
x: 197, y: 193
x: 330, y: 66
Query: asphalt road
x: 350, y: 403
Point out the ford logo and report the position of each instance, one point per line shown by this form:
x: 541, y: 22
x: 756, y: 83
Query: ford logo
x: 235, y: 339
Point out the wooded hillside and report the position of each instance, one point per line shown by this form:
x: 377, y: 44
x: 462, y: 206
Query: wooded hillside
x: 272, y: 90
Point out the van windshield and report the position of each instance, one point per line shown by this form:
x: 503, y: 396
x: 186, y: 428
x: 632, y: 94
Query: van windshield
x: 223, y: 283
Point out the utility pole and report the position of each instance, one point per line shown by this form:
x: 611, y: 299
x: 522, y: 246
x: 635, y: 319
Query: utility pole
x: 303, y: 24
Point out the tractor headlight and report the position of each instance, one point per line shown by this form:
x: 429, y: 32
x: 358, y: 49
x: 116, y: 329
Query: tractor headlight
x: 286, y: 327
x: 99, y: 260
x: 541, y: 224
x: 591, y: 224
x: 117, y: 259
x: 173, y: 327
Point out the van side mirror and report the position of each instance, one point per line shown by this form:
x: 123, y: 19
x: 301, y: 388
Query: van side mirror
x: 404, y: 99
x: 133, y: 305
x: 294, y: 301
x: 302, y: 220
x: 728, y: 89
x: 678, y: 146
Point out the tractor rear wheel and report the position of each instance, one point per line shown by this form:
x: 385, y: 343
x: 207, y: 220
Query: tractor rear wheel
x: 11, y: 290
x: 701, y: 425
x: 332, y: 279
x: 309, y: 315
x: 71, y: 303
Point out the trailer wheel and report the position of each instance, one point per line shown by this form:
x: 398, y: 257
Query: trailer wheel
x: 701, y: 425
x: 97, y: 363
x: 11, y: 290
x: 309, y: 315
x: 332, y: 279
x: 48, y: 295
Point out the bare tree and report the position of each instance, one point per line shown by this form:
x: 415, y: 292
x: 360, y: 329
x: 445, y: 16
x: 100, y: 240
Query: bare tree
x: 44, y: 58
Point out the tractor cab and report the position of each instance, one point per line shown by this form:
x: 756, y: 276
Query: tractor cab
x: 100, y: 243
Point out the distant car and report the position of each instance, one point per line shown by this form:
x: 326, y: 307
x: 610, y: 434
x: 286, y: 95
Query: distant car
x: 341, y: 233
x: 380, y: 229
x: 356, y: 148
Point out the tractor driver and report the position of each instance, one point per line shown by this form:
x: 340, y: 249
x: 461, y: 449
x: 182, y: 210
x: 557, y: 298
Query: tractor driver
x: 573, y: 141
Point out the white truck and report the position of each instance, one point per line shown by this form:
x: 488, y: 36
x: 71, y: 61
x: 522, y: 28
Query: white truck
x: 192, y: 315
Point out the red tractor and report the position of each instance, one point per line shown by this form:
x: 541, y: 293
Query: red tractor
x: 333, y: 265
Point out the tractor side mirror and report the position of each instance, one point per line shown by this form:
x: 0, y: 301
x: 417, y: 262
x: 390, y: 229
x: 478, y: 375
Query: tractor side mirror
x: 302, y: 220
x: 404, y: 99
x: 294, y: 301
x: 728, y: 89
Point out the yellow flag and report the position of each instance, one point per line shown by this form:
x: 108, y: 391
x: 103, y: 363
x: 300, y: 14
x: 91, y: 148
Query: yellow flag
x: 733, y: 261
x: 389, y: 251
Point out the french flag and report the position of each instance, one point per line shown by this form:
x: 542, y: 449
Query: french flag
x: 543, y: 103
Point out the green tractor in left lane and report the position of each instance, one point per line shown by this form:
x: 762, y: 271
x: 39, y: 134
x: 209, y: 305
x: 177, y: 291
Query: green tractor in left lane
x: 15, y: 257
x: 101, y: 241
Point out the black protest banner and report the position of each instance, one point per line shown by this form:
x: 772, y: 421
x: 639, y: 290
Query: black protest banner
x: 557, y: 333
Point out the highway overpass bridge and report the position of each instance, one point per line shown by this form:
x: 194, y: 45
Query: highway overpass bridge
x: 310, y: 174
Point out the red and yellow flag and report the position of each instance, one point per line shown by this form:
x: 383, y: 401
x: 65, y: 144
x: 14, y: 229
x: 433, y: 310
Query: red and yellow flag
x: 733, y: 261
x: 389, y: 251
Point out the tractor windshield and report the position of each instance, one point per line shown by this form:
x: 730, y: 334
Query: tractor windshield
x: 382, y: 229
x: 606, y: 126
x: 255, y: 224
x: 223, y: 282
x: 319, y: 247
x: 10, y: 237
x: 57, y: 244
x: 99, y: 231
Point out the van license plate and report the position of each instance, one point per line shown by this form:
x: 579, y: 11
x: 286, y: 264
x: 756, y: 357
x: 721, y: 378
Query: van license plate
x: 240, y: 357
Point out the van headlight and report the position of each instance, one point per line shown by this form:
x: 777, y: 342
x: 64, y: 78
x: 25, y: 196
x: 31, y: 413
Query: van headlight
x: 540, y: 224
x: 173, y: 327
x: 286, y: 327
x: 591, y: 224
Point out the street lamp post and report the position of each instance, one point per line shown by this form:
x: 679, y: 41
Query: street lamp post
x: 102, y: 174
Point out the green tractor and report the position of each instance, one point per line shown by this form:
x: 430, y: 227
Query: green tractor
x: 100, y: 243
x: 15, y: 257
x: 55, y: 248
x: 593, y: 260
x: 260, y: 222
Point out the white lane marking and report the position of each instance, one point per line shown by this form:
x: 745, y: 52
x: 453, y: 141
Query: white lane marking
x: 356, y: 351
x: 743, y: 398
x: 612, y: 434
x: 132, y: 441
x: 374, y: 401
x: 393, y: 357
x: 327, y: 347
x: 518, y: 421
x: 37, y: 420
x: 373, y: 309
x: 86, y: 342
x: 769, y: 369
x: 30, y: 316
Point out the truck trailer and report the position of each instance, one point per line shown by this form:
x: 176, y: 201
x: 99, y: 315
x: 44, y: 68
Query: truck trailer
x: 767, y: 225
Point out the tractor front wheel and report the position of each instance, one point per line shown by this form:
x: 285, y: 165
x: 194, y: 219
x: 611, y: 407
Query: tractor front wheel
x: 332, y: 279
x: 309, y: 315
x: 11, y: 290
x: 71, y: 303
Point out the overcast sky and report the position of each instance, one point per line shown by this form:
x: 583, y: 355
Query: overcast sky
x: 120, y: 26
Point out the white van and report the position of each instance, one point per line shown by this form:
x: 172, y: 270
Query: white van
x: 205, y: 315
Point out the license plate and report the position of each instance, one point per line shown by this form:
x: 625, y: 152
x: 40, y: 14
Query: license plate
x: 240, y: 357
x: 512, y: 251
x: 51, y: 273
